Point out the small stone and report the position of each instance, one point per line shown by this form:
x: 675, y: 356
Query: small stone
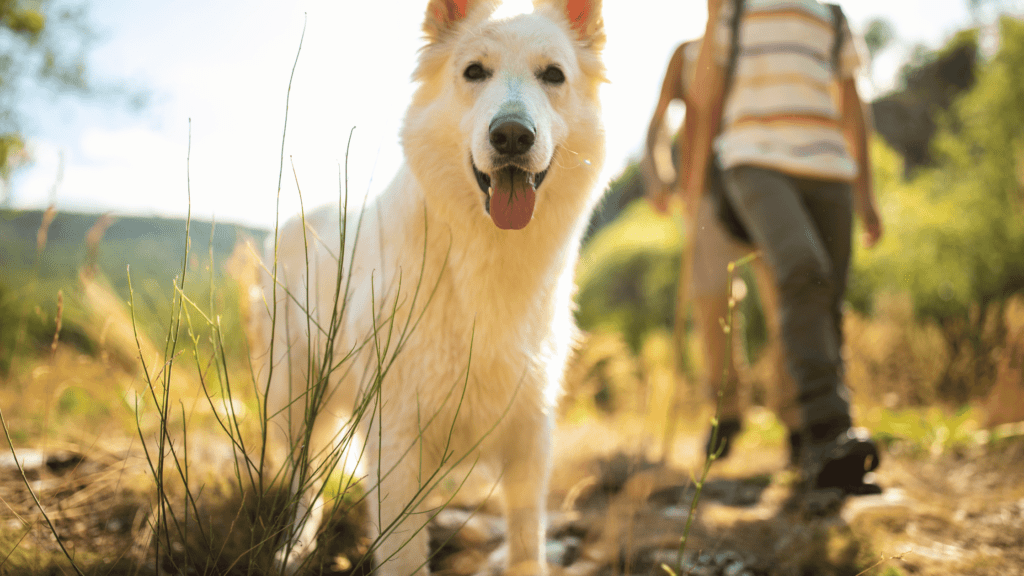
x: 734, y: 569
x: 62, y: 460
x: 726, y: 557
x: 556, y: 552
x: 652, y: 560
x: 29, y: 460
x: 466, y: 562
x: 564, y: 551
x: 341, y: 564
x: 465, y: 529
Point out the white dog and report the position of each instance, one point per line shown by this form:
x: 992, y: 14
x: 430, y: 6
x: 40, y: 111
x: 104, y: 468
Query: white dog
x: 453, y: 321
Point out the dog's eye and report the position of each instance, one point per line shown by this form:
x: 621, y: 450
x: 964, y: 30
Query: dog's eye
x: 475, y: 73
x: 553, y: 75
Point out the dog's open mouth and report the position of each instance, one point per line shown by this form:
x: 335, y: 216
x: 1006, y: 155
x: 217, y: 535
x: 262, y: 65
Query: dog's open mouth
x: 511, y: 194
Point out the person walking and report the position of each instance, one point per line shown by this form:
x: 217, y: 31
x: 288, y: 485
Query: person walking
x: 710, y: 249
x: 777, y: 111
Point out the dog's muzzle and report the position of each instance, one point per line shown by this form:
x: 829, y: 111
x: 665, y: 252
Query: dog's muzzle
x: 510, y: 194
x: 510, y: 190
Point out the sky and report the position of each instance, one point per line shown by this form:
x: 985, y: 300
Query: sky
x: 217, y: 73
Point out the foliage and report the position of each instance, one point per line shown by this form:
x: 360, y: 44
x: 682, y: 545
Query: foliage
x: 878, y: 35
x: 953, y: 250
x: 628, y: 272
x: 42, y: 42
x: 10, y: 145
x: 924, y: 431
x: 21, y: 19
x: 150, y: 249
x: 44, y: 46
x: 955, y: 232
x: 22, y: 26
x: 979, y: 9
x: 893, y: 358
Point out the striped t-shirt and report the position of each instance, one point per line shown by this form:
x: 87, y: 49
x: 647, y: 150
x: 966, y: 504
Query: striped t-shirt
x: 781, y: 111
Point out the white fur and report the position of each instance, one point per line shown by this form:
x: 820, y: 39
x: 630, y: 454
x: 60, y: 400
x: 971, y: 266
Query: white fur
x: 495, y: 301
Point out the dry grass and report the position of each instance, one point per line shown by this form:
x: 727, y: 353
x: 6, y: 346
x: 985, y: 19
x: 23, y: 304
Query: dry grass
x: 950, y: 493
x: 951, y: 502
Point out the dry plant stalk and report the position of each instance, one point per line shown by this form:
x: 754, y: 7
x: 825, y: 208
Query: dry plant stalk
x: 727, y: 327
x: 44, y: 228
x: 18, y: 463
x: 59, y: 318
x: 92, y: 241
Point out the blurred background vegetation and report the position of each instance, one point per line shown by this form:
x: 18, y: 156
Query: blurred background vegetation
x: 935, y: 322
x: 949, y: 175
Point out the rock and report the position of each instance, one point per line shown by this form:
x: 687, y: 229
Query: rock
x: 465, y: 562
x: 61, y: 461
x: 735, y: 569
x: 563, y: 552
x: 727, y: 557
x: 649, y: 561
x: 30, y: 460
x: 563, y: 523
x: 465, y: 529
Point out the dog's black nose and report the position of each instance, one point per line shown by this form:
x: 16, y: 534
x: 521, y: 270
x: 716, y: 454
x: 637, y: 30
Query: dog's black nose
x: 511, y: 137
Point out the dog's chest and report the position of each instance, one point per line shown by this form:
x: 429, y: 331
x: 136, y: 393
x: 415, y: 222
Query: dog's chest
x: 472, y: 366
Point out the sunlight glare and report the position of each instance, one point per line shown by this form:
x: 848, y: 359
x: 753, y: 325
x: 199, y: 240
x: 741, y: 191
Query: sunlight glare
x: 510, y: 8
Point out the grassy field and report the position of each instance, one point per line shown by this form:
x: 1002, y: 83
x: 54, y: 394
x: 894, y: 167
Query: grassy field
x: 87, y: 424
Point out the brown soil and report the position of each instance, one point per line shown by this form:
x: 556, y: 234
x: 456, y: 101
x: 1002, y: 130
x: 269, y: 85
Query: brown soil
x: 613, y: 511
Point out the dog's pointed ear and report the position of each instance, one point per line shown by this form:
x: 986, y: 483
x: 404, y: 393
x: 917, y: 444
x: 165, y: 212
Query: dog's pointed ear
x: 584, y: 18
x: 444, y: 15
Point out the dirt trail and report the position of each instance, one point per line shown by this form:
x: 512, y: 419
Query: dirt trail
x: 611, y: 514
x: 947, y: 514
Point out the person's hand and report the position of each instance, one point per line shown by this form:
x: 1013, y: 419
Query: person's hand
x: 658, y: 197
x: 657, y: 191
x: 872, y: 224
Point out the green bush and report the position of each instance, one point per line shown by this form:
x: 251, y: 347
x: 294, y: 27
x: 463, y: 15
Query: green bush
x: 955, y: 232
x: 628, y: 274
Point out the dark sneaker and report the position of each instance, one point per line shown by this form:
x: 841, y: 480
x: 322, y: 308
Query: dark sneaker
x: 727, y: 430
x: 841, y: 462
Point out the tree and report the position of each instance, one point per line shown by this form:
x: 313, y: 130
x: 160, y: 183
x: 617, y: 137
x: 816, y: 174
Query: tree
x: 956, y: 232
x: 978, y: 8
x: 878, y: 35
x: 42, y: 48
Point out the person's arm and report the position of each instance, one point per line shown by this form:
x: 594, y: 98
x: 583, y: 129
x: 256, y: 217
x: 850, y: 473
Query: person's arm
x: 856, y: 127
x: 703, y: 113
x: 658, y: 188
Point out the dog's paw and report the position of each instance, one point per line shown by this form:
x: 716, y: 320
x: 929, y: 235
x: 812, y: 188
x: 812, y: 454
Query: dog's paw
x: 288, y: 560
x: 286, y: 563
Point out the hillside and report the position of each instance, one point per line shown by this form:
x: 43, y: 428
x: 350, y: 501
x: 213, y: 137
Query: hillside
x: 39, y: 262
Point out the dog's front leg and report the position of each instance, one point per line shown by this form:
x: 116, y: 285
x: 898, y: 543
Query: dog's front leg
x: 525, y: 483
x: 395, y: 505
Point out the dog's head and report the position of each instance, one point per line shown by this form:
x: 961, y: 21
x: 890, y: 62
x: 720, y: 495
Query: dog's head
x: 507, y: 115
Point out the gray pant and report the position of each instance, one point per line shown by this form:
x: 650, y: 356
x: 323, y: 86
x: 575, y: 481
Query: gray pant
x: 803, y: 229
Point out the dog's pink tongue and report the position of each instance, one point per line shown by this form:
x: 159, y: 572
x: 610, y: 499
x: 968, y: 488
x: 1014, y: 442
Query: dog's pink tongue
x: 512, y: 199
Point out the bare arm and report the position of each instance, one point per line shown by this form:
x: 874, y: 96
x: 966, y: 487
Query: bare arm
x: 703, y: 114
x: 658, y: 187
x: 856, y: 127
